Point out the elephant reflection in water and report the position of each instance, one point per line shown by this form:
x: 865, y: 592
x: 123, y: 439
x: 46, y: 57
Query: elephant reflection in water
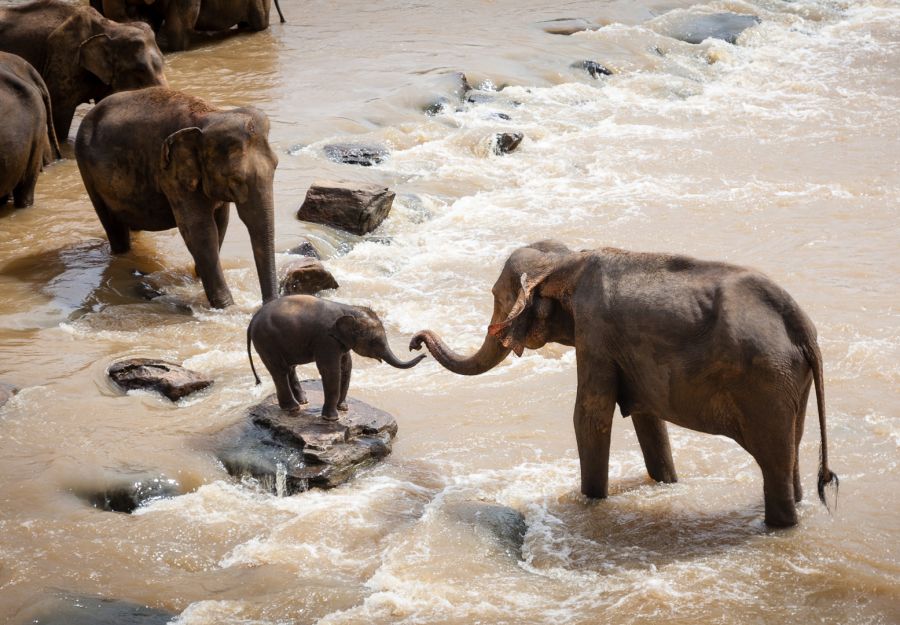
x: 708, y: 346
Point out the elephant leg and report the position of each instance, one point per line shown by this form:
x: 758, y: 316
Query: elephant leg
x: 258, y: 14
x: 329, y: 366
x: 181, y: 17
x: 4, y: 198
x: 778, y: 488
x: 281, y: 376
x: 594, y: 406
x: 198, y: 229
x: 654, y: 439
x: 23, y: 194
x: 346, y: 370
x: 798, y: 435
x: 295, y: 386
x: 221, y: 215
x: 117, y: 232
x: 773, y: 447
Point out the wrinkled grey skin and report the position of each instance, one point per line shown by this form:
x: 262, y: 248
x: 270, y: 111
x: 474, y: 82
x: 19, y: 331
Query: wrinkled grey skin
x: 177, y: 19
x: 81, y: 55
x: 299, y: 329
x: 156, y: 159
x: 708, y: 346
x: 27, y: 139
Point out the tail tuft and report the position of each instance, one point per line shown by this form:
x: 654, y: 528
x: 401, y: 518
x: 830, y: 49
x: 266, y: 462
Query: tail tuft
x: 827, y: 477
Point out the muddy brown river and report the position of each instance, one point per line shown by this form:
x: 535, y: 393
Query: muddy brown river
x: 781, y: 152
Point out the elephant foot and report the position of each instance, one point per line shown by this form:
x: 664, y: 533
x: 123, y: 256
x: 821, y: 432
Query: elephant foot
x: 783, y: 516
x: 343, y: 406
x: 330, y: 417
x: 289, y: 407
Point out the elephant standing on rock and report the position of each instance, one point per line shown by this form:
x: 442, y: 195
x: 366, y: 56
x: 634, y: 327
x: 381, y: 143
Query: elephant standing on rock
x: 708, y: 346
x: 27, y: 139
x: 81, y: 55
x: 155, y: 159
x: 299, y: 329
x: 175, y: 20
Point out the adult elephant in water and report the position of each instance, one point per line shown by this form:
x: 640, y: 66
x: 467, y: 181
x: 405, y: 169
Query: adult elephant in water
x: 156, y: 159
x: 27, y: 139
x: 175, y: 20
x: 708, y: 346
x: 81, y: 55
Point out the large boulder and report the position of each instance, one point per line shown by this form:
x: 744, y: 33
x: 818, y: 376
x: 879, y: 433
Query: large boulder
x: 287, y: 453
x: 505, y: 526
x: 126, y: 493
x: 306, y: 276
x: 358, y: 208
x: 356, y: 153
x: 173, y: 381
x: 697, y: 27
x: 62, y: 608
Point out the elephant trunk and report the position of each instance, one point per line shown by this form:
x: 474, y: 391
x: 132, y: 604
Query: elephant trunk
x: 258, y: 214
x: 390, y: 358
x: 489, y: 355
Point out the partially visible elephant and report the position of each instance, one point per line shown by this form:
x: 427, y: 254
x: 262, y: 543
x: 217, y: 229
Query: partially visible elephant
x: 175, y: 20
x: 27, y: 139
x: 299, y: 329
x: 81, y: 55
x: 708, y: 346
x: 155, y: 159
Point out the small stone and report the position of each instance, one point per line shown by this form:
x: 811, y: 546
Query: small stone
x: 507, y: 142
x: 697, y: 28
x: 567, y: 26
x: 173, y: 381
x: 356, y: 153
x: 306, y: 276
x: 505, y: 525
x: 358, y: 208
x: 595, y: 69
x: 305, y: 249
x: 131, y: 492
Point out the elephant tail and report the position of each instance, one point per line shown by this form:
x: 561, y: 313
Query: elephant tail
x: 280, y: 14
x: 250, y: 354
x: 826, y: 476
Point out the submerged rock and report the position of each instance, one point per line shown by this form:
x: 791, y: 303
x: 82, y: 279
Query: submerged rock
x: 291, y: 452
x: 507, y: 142
x: 698, y: 27
x: 306, y: 276
x: 62, y: 608
x: 131, y: 492
x: 173, y: 381
x: 457, y: 86
x: 505, y: 525
x: 356, y: 153
x: 567, y: 26
x: 306, y: 248
x: 595, y: 69
x: 6, y: 392
x: 355, y: 207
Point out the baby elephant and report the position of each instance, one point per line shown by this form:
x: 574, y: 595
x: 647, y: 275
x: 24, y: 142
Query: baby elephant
x: 299, y: 329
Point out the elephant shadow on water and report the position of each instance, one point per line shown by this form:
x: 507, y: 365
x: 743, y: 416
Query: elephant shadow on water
x: 84, y: 278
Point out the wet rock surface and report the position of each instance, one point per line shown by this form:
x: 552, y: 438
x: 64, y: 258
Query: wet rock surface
x: 358, y: 208
x: 567, y: 26
x: 505, y: 525
x: 356, y: 153
x: 455, y: 86
x: 595, y: 69
x: 62, y: 608
x: 506, y: 142
x: 129, y: 492
x: 288, y: 453
x: 306, y: 276
x: 696, y: 28
x: 305, y: 248
x: 6, y: 392
x: 173, y: 381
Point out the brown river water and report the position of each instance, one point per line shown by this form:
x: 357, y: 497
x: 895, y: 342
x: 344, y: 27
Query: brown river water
x: 781, y: 152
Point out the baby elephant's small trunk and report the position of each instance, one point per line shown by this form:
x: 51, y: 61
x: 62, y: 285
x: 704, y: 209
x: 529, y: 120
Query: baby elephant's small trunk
x: 390, y: 358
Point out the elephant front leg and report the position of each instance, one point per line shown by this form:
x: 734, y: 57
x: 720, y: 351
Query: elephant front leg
x: 329, y: 366
x: 594, y: 406
x: 346, y: 370
x: 654, y: 439
x: 198, y: 229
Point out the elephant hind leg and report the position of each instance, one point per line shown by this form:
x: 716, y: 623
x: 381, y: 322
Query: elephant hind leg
x: 299, y: 393
x: 654, y: 440
x: 775, y: 453
x: 346, y: 370
x: 118, y: 233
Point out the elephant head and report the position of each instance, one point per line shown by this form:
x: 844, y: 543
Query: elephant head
x: 229, y: 159
x: 532, y: 307
x: 364, y: 333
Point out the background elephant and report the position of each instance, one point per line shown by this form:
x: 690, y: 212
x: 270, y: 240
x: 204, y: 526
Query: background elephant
x: 27, y: 139
x: 299, y: 329
x: 81, y: 55
x: 155, y: 159
x: 175, y: 20
x: 708, y: 346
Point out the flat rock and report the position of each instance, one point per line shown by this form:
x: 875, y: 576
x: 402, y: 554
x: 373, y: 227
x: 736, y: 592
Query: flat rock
x: 358, y: 208
x: 698, y: 27
x: 506, y: 142
x: 288, y: 453
x: 6, y: 392
x: 173, y: 381
x: 503, y: 524
x: 356, y: 153
x: 62, y: 608
x: 305, y: 248
x: 126, y: 493
x: 306, y: 276
x: 567, y: 26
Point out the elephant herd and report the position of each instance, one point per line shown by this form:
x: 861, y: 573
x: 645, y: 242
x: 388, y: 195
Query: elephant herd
x: 708, y: 346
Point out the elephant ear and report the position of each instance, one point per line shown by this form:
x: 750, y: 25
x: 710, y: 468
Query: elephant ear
x: 347, y: 331
x: 94, y: 56
x: 180, y: 157
x: 512, y: 332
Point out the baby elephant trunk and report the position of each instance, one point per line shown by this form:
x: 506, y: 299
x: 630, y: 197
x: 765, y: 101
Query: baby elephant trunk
x: 390, y: 358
